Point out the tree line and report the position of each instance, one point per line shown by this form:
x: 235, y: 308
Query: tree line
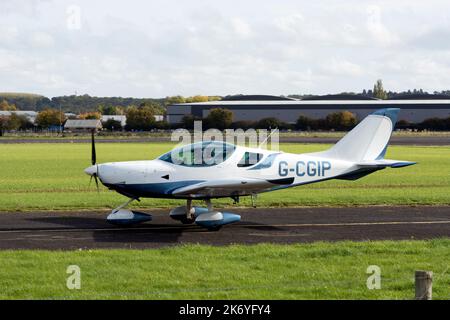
x: 220, y: 118
x: 142, y: 118
x: 86, y: 103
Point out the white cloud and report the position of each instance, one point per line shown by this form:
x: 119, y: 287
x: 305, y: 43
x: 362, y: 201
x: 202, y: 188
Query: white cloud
x: 343, y: 68
x: 241, y: 28
x: 8, y: 34
x: 41, y: 40
x: 377, y: 28
x: 161, y: 48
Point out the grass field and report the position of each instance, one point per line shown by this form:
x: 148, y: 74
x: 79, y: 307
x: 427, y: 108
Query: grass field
x: 307, y: 271
x: 51, y: 177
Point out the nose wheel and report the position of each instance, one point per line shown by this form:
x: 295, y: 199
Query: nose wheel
x: 122, y: 216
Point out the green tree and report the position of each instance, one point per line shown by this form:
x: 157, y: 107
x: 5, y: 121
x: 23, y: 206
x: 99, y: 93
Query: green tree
x: 219, y: 118
x: 50, y: 117
x: 187, y: 122
x: 112, y: 125
x: 269, y: 123
x: 378, y: 90
x: 304, y: 123
x: 110, y: 110
x: 19, y: 122
x: 140, y: 118
x: 4, y: 124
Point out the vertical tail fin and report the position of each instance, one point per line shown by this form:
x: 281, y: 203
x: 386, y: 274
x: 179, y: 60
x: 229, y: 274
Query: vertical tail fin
x: 368, y: 140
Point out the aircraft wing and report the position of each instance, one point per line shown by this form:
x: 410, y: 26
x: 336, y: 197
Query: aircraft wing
x: 224, y: 186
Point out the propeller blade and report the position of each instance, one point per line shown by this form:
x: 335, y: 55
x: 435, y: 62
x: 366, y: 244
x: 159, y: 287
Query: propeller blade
x: 94, y: 154
x: 96, y: 182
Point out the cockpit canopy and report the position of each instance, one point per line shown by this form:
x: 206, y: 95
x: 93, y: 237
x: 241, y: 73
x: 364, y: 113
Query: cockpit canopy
x: 200, y: 154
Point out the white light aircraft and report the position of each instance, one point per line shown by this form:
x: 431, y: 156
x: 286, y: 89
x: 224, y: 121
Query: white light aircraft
x: 227, y: 170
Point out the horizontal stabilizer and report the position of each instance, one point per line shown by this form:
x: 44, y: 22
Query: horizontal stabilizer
x: 383, y: 163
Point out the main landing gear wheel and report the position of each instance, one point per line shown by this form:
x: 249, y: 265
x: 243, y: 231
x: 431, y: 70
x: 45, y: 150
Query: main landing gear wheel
x: 207, y: 218
x: 186, y: 220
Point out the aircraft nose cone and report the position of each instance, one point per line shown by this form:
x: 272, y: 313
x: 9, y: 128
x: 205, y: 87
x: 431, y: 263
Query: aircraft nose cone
x: 91, y: 170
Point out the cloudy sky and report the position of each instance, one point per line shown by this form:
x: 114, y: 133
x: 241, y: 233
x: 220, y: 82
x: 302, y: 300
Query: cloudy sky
x: 156, y: 48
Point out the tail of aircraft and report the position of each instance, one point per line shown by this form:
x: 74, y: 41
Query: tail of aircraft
x: 367, y: 143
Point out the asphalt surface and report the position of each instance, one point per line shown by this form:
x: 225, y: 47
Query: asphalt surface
x: 74, y: 230
x: 420, y: 141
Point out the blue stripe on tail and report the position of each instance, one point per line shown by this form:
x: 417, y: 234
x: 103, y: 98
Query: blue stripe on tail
x: 391, y: 113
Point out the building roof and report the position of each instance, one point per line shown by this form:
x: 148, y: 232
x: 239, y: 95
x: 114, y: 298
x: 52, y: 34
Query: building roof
x: 83, y: 124
x: 341, y: 96
x: 310, y: 103
x: 241, y: 97
x: 19, y: 112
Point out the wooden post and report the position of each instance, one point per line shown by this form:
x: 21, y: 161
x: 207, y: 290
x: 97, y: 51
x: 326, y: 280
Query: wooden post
x: 424, y: 285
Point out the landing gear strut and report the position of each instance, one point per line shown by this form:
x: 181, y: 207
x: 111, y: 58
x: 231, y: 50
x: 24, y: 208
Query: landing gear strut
x: 123, y: 205
x: 190, y: 211
x: 254, y: 197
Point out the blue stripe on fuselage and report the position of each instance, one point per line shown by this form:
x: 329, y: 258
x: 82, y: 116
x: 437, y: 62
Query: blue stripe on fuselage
x: 154, y: 190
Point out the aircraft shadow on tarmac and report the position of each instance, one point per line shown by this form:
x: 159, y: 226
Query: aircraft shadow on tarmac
x: 162, y: 233
x: 102, y: 231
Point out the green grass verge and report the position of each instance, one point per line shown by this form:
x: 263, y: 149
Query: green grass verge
x: 51, y: 177
x: 265, y: 271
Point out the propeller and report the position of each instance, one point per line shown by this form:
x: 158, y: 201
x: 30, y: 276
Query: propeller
x: 94, y: 161
x: 94, y: 154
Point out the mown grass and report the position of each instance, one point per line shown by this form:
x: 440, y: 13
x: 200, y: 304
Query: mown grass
x: 265, y: 271
x: 51, y: 177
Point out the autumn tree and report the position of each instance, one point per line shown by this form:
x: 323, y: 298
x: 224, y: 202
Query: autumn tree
x: 197, y: 99
x: 342, y: 120
x: 174, y: 100
x: 50, y: 117
x: 5, y: 106
x: 90, y: 115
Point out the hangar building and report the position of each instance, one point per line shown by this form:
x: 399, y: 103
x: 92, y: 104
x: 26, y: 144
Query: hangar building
x: 254, y: 108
